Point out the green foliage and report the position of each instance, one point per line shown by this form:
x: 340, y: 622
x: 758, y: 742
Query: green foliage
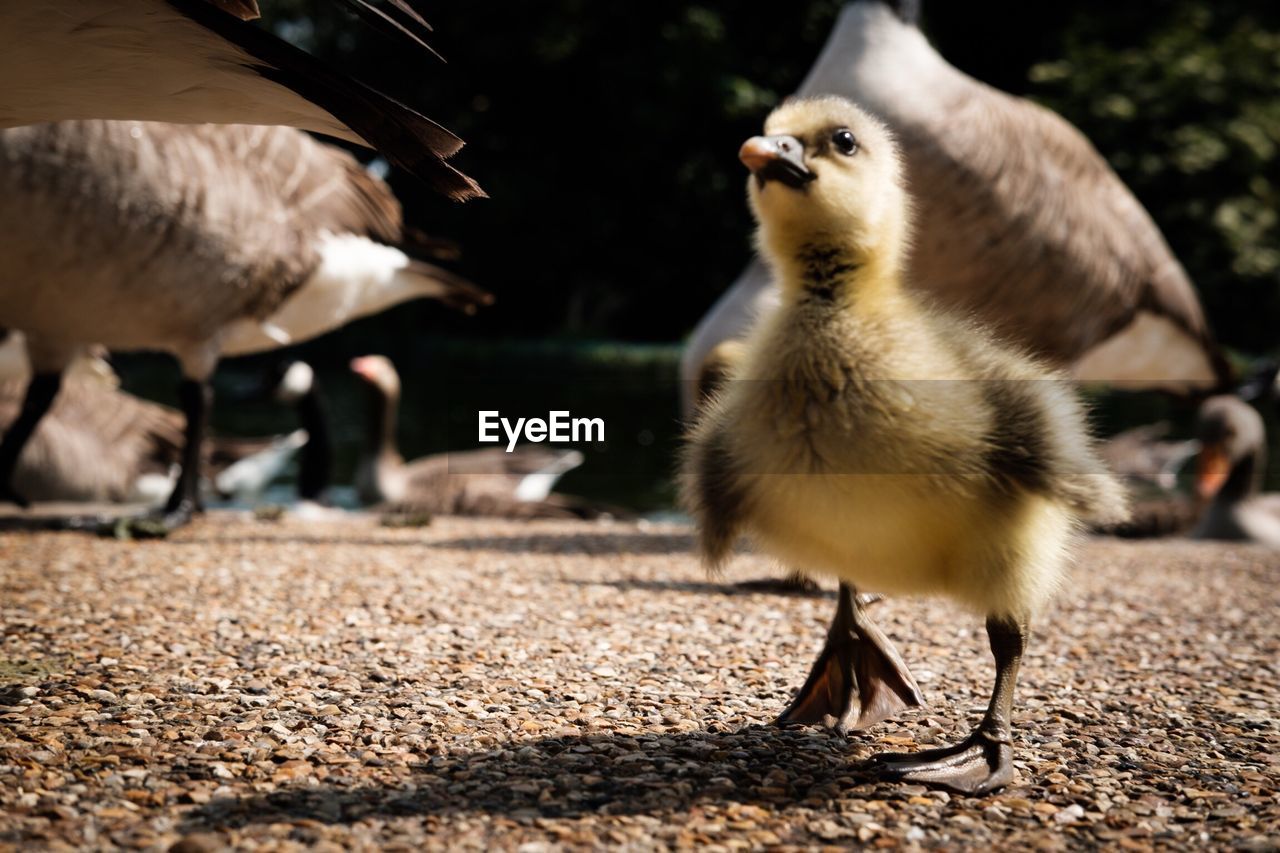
x: 1184, y: 100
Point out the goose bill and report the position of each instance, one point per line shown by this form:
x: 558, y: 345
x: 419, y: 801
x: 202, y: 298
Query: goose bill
x: 1212, y: 471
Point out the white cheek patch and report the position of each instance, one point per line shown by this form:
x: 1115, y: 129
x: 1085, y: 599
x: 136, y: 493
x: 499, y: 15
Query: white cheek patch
x: 1151, y: 352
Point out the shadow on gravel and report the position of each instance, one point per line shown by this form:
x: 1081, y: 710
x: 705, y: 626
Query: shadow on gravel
x: 698, y: 587
x: 184, y: 539
x: 49, y: 523
x: 576, y: 543
x: 567, y: 777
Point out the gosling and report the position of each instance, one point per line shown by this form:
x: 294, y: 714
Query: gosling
x: 868, y: 436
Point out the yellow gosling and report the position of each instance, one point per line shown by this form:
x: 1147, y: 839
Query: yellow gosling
x: 868, y: 436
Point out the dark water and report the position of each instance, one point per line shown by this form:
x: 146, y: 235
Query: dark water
x: 633, y: 388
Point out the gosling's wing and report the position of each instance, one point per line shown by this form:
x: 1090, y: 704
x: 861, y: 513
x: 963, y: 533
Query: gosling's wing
x: 194, y: 61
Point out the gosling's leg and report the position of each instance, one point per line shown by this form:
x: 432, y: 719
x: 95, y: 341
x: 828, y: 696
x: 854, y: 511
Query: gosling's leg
x: 795, y: 583
x: 184, y: 502
x: 983, y: 761
x: 41, y: 391
x: 858, y: 679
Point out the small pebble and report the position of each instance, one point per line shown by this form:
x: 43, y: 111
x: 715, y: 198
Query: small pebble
x: 568, y: 685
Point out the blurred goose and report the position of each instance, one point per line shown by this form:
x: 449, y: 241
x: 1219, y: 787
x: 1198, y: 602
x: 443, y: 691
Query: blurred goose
x: 198, y: 240
x: 1262, y: 385
x: 97, y: 443
x: 197, y: 61
x: 489, y: 482
x: 292, y: 384
x: 1148, y: 464
x: 1020, y: 221
x: 1144, y: 458
x: 246, y: 479
x: 1232, y: 463
x: 103, y: 445
x: 299, y: 388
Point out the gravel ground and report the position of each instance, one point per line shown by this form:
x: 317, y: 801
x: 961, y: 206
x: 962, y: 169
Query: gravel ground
x: 479, y: 684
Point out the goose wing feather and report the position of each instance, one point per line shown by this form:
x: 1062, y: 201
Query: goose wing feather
x: 94, y: 443
x: 1015, y: 226
x: 193, y: 61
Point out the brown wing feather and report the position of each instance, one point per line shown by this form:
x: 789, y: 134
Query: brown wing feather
x: 118, y: 417
x: 245, y: 10
x: 1013, y: 227
x: 253, y: 196
x: 319, y: 186
x: 406, y: 137
x: 414, y: 28
x: 483, y: 483
x: 94, y: 442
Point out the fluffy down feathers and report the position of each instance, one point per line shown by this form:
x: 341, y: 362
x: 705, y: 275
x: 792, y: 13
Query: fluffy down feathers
x: 869, y: 436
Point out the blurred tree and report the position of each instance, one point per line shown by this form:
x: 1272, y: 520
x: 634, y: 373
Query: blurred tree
x: 607, y: 137
x: 1184, y: 100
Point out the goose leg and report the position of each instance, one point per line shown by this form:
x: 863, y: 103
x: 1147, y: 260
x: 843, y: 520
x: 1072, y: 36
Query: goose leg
x: 858, y: 679
x: 41, y: 391
x: 196, y: 397
x: 184, y: 502
x: 983, y: 761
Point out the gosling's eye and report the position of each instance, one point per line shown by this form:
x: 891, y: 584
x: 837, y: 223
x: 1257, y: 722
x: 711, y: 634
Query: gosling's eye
x: 844, y: 141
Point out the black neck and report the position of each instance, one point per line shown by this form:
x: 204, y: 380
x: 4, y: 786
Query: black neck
x: 1244, y: 479
x: 382, y: 422
x: 824, y: 270
x: 907, y: 11
x: 315, y: 462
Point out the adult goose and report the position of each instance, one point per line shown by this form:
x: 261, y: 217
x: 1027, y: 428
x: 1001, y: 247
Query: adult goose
x: 1020, y: 221
x: 1145, y: 458
x: 197, y: 240
x: 1148, y: 464
x: 100, y: 444
x: 97, y: 443
x: 294, y: 384
x: 197, y: 61
x: 488, y: 482
x: 1232, y: 463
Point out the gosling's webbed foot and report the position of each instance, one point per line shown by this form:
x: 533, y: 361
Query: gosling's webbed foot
x: 152, y: 525
x: 792, y: 584
x: 859, y: 678
x: 979, y: 764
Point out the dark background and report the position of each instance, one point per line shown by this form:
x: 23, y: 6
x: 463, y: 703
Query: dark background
x: 607, y: 134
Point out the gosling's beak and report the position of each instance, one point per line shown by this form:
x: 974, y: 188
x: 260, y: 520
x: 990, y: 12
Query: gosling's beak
x: 776, y: 158
x: 1213, y: 470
